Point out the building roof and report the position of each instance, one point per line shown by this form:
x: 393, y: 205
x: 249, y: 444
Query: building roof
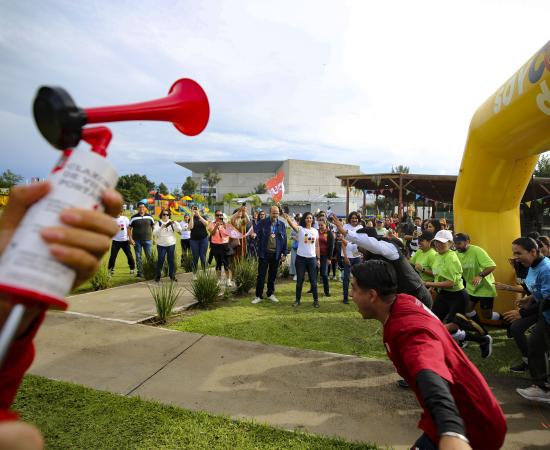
x: 440, y: 188
x: 232, y: 166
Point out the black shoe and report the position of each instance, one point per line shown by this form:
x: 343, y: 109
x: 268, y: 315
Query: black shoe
x: 327, y: 294
x: 157, y: 280
x: 296, y: 304
x: 316, y: 304
x: 520, y: 368
x: 346, y: 302
x: 486, y: 346
x: 402, y: 384
x: 467, y: 324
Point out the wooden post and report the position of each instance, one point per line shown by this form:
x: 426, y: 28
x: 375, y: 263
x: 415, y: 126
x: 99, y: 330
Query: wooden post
x: 364, y: 202
x: 347, y: 197
x: 400, y: 209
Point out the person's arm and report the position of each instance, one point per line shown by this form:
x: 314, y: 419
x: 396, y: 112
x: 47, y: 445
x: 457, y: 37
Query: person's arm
x: 479, y: 278
x: 439, y: 284
x: 285, y: 243
x: 156, y: 229
x: 373, y: 245
x: 510, y: 288
x: 177, y: 226
x: 203, y: 220
x: 291, y: 223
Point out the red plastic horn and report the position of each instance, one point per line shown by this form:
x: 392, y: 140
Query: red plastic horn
x: 60, y: 121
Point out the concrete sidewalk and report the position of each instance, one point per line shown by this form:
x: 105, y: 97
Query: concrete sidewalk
x: 131, y: 303
x: 323, y: 393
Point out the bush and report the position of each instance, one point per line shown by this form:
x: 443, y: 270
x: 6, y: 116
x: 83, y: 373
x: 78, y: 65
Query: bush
x: 245, y: 272
x: 165, y: 296
x: 205, y: 287
x: 284, y: 269
x: 187, y: 262
x: 101, y: 280
x: 150, y: 265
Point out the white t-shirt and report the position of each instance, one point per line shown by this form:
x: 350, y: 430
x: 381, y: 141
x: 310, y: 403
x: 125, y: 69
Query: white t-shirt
x: 185, y: 231
x: 351, y: 249
x: 122, y: 234
x: 307, y: 239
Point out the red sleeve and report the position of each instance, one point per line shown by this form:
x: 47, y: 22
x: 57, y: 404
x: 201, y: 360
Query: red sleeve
x: 420, y: 349
x: 17, y: 362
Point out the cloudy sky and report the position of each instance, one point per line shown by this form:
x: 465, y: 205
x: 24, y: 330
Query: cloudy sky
x: 372, y: 83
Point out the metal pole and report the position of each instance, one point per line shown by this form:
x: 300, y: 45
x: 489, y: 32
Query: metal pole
x: 10, y: 329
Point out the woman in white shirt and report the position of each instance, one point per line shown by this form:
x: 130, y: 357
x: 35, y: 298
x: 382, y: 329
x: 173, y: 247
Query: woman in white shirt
x: 165, y: 233
x: 185, y: 237
x: 307, y: 255
x: 350, y: 253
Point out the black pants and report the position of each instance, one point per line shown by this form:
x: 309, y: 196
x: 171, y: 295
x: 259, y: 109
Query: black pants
x: 220, y: 253
x: 424, y: 443
x: 125, y: 247
x: 303, y: 265
x: 448, y: 303
x: 517, y: 331
x: 324, y: 270
x: 267, y: 265
x: 185, y: 246
x: 538, y: 343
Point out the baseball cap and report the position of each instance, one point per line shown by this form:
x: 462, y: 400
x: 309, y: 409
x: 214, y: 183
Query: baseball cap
x: 443, y: 236
x: 369, y: 231
x: 461, y: 237
x: 426, y: 236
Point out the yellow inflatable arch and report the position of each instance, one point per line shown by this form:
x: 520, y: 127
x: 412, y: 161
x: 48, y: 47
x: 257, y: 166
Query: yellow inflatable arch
x: 506, y: 135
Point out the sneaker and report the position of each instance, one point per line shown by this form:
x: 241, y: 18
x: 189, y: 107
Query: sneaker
x: 111, y: 273
x: 535, y: 393
x: 257, y: 300
x: 346, y: 302
x: 132, y: 271
x: 316, y: 304
x: 327, y: 294
x: 402, y: 384
x: 229, y: 283
x: 294, y: 278
x: 463, y: 344
x: 486, y: 346
x: 334, y: 278
x: 296, y: 304
x: 468, y: 324
x: 273, y: 298
x: 520, y: 368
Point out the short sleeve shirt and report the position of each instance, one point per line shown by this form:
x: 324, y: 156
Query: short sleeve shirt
x: 447, y: 267
x: 416, y: 340
x: 122, y: 234
x: 307, y: 237
x: 426, y: 260
x: 474, y: 261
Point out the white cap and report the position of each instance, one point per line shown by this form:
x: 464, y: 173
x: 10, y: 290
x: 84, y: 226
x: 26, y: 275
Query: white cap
x: 443, y: 236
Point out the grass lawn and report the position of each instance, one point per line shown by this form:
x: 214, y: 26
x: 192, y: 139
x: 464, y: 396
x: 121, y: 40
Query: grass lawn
x: 72, y: 416
x: 334, y: 327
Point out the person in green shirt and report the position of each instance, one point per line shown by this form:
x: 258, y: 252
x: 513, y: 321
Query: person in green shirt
x: 477, y: 269
x: 423, y: 259
x: 452, y: 298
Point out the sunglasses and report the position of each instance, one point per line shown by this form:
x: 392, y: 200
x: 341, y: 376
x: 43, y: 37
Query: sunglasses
x: 219, y: 215
x: 166, y: 215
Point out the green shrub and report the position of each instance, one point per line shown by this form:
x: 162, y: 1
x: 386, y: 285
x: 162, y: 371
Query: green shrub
x: 187, y: 262
x: 284, y: 270
x: 245, y: 272
x: 205, y: 287
x: 150, y: 265
x: 101, y: 280
x: 165, y: 296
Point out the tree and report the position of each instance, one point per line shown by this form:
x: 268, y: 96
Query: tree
x: 261, y: 188
x: 227, y: 198
x: 255, y: 201
x: 127, y: 187
x: 163, y: 189
x: 400, y: 169
x: 189, y: 187
x: 176, y: 193
x: 212, y: 179
x: 9, y: 179
x: 543, y: 166
x: 198, y: 198
x: 331, y: 195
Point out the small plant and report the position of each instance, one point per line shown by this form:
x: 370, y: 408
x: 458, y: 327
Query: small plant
x: 205, y: 287
x: 187, y: 262
x: 165, y: 296
x: 245, y: 272
x: 284, y: 270
x: 150, y: 265
x: 101, y: 280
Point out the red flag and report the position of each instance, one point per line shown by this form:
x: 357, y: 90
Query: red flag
x: 276, y: 186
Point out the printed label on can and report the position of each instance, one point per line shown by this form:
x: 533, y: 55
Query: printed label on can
x: 77, y: 183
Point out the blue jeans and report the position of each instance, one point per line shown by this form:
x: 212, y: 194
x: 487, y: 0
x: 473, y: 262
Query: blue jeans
x: 347, y: 271
x: 198, y: 250
x: 148, y: 247
x: 163, y: 252
x: 303, y: 265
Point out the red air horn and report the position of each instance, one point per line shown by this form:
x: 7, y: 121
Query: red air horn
x: 60, y: 121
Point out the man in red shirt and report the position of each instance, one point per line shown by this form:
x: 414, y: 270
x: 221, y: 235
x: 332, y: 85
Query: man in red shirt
x: 459, y: 409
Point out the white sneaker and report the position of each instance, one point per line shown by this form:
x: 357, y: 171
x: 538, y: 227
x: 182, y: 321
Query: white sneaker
x: 295, y: 278
x: 132, y: 271
x: 273, y: 298
x: 229, y: 283
x: 535, y: 393
x: 257, y: 300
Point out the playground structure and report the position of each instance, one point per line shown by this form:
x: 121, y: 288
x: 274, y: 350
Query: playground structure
x: 506, y: 135
x: 156, y: 202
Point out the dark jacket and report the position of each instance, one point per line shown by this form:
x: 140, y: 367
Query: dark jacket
x: 330, y: 243
x: 263, y: 231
